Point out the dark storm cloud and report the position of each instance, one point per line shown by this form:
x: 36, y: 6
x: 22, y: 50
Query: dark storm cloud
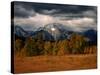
x: 25, y: 9
x: 20, y: 10
x: 75, y: 17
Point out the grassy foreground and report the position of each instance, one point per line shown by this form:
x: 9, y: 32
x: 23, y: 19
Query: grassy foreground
x: 54, y: 63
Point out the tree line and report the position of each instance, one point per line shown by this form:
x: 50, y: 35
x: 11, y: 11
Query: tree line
x: 77, y: 44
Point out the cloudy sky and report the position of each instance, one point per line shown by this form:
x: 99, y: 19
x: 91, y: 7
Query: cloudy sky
x: 34, y: 15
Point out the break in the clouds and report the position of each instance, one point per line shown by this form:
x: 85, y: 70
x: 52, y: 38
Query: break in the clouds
x: 74, y: 17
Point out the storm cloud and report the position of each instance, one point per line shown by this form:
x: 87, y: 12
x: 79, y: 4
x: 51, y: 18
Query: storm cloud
x: 33, y: 15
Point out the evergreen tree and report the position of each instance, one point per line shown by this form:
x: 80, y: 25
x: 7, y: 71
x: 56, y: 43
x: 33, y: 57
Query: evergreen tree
x: 30, y: 47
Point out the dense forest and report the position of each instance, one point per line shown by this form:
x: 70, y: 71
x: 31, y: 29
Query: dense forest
x: 77, y: 44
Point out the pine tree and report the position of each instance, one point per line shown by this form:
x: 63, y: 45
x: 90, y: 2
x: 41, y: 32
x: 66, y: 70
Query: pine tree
x: 30, y: 47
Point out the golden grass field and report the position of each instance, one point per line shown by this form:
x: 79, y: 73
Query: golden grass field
x: 54, y: 63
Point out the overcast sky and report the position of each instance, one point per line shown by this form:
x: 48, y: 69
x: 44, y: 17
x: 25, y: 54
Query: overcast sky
x: 33, y: 15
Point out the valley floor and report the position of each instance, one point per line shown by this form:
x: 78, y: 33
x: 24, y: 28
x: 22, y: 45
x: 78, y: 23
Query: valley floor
x: 54, y: 63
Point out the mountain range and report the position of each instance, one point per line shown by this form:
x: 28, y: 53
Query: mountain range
x: 53, y: 31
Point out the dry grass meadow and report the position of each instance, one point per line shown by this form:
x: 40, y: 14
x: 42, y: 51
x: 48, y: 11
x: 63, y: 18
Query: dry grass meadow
x: 54, y: 63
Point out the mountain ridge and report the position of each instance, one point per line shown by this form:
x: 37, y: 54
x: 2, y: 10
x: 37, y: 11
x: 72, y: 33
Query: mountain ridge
x: 59, y: 32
